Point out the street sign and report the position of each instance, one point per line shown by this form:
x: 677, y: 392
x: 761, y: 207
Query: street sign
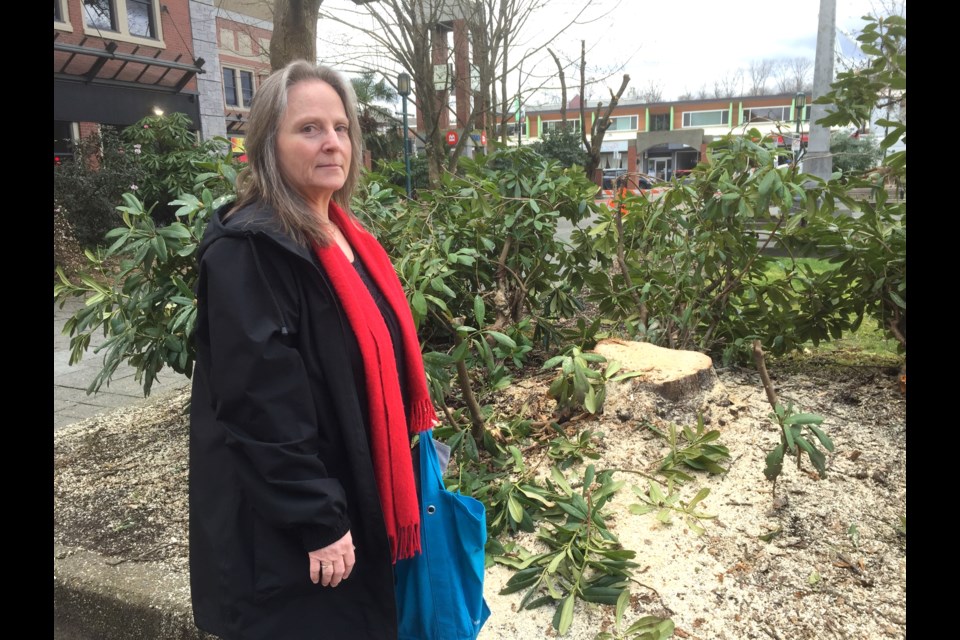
x: 483, y: 138
x: 452, y: 138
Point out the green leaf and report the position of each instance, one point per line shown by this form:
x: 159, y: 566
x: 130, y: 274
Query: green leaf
x: 623, y: 601
x: 803, y: 418
x: 816, y: 456
x: 790, y: 433
x: 560, y: 480
x: 479, y: 310
x: 515, y: 509
x: 552, y: 567
x: 822, y: 437
x: 703, y: 493
x: 900, y: 302
x: 552, y: 362
x: 774, y: 462
x: 767, y: 537
x: 767, y: 183
x: 641, y: 509
x: 564, y: 616
x: 418, y: 303
x: 503, y: 339
x: 590, y: 401
x: 577, y: 513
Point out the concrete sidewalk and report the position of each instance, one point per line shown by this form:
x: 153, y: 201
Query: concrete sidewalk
x: 70, y: 400
x: 95, y: 598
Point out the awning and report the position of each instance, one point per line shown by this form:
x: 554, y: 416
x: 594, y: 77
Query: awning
x: 613, y: 145
x: 102, y: 62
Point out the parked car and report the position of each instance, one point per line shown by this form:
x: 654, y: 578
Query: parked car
x: 610, y: 177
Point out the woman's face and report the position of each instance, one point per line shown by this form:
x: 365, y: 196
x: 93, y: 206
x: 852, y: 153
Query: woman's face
x: 313, y: 142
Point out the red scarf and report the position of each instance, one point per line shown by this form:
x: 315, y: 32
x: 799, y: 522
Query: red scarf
x: 390, y: 429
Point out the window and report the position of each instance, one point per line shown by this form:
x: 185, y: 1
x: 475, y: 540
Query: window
x: 768, y: 114
x: 133, y: 20
x: 706, y: 118
x: 100, y: 14
x: 660, y: 122
x: 140, y: 18
x: 63, y: 137
x: 623, y: 123
x: 237, y: 87
x: 554, y: 125
x: 61, y: 20
x: 512, y: 129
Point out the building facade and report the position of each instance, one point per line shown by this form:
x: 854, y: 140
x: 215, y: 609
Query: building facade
x: 117, y: 61
x: 243, y: 32
x: 669, y: 138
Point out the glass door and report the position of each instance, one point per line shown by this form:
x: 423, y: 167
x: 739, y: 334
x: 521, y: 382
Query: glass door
x: 661, y: 168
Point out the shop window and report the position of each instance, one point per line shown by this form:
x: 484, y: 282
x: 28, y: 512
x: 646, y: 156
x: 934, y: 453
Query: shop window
x: 512, y: 129
x: 768, y: 114
x: 63, y: 137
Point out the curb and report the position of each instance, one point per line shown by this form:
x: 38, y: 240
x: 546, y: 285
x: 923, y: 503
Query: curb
x: 93, y: 599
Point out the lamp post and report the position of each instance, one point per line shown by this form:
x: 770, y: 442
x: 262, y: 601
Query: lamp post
x: 520, y: 116
x: 403, y: 88
x: 799, y: 102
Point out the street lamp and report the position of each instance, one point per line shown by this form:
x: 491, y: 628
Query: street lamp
x: 799, y: 102
x: 403, y: 88
x: 520, y: 116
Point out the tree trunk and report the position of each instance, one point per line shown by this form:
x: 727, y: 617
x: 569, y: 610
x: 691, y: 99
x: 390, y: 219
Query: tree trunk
x: 563, y: 90
x: 294, y: 32
x: 600, y: 123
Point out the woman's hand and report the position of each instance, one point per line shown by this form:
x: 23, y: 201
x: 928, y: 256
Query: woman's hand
x: 333, y: 563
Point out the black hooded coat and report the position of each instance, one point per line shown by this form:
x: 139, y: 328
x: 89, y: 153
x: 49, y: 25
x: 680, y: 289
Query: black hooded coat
x: 280, y: 463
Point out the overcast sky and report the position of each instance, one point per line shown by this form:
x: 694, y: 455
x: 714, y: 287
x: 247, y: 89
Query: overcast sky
x: 677, y: 46
x: 683, y: 46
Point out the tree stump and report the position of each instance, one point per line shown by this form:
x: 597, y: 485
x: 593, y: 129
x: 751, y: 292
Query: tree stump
x: 673, y: 385
x: 679, y: 376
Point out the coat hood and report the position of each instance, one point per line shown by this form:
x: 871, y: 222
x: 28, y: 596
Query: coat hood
x: 253, y: 220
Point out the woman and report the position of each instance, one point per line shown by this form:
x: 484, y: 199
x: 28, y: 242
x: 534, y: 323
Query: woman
x: 308, y: 385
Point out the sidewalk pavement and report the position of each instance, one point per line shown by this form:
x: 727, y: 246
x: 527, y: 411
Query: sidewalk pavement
x: 70, y: 400
x: 93, y: 597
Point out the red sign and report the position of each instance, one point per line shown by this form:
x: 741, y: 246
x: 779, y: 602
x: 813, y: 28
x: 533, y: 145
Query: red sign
x: 483, y: 138
x: 452, y: 137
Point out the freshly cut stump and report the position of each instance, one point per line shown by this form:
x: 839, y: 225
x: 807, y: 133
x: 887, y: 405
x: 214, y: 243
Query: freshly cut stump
x: 678, y: 376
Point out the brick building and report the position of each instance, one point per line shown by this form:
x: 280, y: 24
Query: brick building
x: 663, y: 138
x: 115, y: 62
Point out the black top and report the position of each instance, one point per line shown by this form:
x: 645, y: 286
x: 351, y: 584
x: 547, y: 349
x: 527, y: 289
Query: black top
x: 390, y: 318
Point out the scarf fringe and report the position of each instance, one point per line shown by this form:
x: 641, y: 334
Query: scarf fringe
x: 422, y: 416
x: 406, y: 544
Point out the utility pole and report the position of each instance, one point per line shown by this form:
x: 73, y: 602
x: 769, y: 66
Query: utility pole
x: 817, y: 160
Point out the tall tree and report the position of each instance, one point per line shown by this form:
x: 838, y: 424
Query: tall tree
x: 601, y: 119
x: 729, y: 85
x: 294, y: 32
x: 651, y: 93
x: 793, y: 74
x: 382, y: 140
x: 412, y: 34
x: 760, y: 72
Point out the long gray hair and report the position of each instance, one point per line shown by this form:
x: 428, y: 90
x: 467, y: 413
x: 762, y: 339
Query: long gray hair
x: 262, y: 180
